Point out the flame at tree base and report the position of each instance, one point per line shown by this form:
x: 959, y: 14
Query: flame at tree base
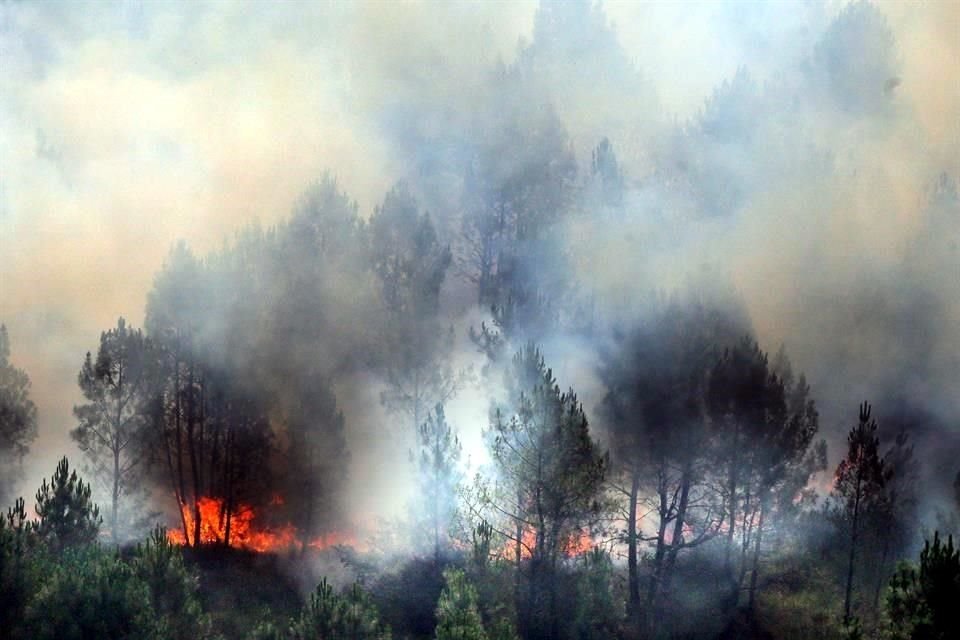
x: 243, y: 533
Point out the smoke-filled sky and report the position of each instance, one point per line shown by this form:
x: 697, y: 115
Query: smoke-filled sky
x: 127, y: 126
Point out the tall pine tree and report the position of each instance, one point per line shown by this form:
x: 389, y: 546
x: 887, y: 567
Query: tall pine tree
x: 858, y: 485
x: 67, y: 515
x: 111, y: 431
x: 18, y: 417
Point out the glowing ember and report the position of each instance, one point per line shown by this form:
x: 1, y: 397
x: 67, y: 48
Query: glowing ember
x: 244, y: 534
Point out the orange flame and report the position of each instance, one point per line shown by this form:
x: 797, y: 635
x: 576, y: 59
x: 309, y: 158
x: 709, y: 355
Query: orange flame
x: 576, y: 544
x: 243, y: 532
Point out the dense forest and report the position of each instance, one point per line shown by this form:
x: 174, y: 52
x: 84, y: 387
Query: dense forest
x: 630, y: 376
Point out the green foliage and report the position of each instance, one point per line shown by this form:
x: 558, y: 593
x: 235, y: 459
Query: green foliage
x: 266, y: 630
x: 79, y: 590
x: 91, y: 594
x: 457, y: 615
x: 438, y: 476
x: 158, y: 564
x: 923, y: 602
x: 502, y: 629
x: 406, y: 597
x: 480, y: 539
x: 852, y: 630
x: 860, y: 475
x: 112, y: 421
x: 332, y: 616
x: 544, y: 452
x: 858, y: 488
x: 18, y: 572
x: 550, y: 479
x: 598, y: 614
x: 800, y: 598
x: 68, y: 516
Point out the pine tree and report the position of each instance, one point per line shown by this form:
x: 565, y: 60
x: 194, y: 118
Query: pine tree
x: 597, y: 614
x: 332, y: 616
x: 18, y: 570
x: 316, y: 455
x: 922, y: 601
x: 606, y: 173
x: 111, y: 431
x: 174, y: 592
x: 18, y: 417
x: 656, y: 376
x: 439, y: 476
x: 513, y: 210
x: 457, y: 615
x: 91, y: 593
x: 550, y: 477
x: 859, y: 483
x: 766, y: 422
x: 67, y: 515
x: 411, y: 265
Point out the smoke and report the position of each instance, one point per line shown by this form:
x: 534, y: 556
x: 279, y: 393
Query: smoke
x: 788, y: 155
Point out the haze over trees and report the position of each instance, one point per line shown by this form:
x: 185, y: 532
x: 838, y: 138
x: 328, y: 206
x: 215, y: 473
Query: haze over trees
x: 18, y: 416
x: 112, y: 423
x: 596, y: 365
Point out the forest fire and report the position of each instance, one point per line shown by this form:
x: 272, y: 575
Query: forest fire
x: 575, y: 545
x: 243, y: 532
x: 578, y: 544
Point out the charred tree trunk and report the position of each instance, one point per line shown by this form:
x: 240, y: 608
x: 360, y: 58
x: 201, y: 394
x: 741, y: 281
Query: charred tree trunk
x: 201, y: 425
x: 633, y: 598
x: 228, y: 487
x: 436, y: 499
x: 676, y: 542
x: 178, y: 431
x: 192, y: 453
x: 746, y: 530
x: 117, y: 447
x: 756, y: 561
x: 653, y: 586
x: 881, y: 576
x: 853, y: 549
x: 732, y: 486
x: 115, y: 494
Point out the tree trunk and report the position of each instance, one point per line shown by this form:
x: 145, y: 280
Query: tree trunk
x: 178, y: 423
x: 732, y: 482
x: 117, y: 446
x: 881, y: 574
x: 653, y: 586
x: 192, y: 451
x: 436, y: 497
x: 228, y: 487
x: 853, y: 551
x: 677, y: 539
x: 633, y: 600
x: 746, y: 531
x: 756, y: 561
x: 115, y: 497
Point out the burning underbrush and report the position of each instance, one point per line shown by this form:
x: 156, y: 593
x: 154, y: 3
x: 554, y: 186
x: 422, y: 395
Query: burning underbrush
x: 571, y: 546
x: 242, y: 527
